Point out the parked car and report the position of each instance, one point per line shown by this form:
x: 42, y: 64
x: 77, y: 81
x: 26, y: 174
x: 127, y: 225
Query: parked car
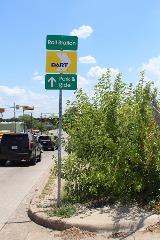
x: 46, y: 142
x: 20, y: 146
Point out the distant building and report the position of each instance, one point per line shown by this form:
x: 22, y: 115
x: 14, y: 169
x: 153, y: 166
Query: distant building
x: 10, y: 126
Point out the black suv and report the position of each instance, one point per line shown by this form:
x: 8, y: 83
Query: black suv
x: 20, y: 146
x: 46, y: 142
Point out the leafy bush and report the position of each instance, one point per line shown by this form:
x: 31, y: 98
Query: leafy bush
x: 114, y: 143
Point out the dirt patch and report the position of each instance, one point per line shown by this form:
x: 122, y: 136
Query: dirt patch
x: 75, y: 234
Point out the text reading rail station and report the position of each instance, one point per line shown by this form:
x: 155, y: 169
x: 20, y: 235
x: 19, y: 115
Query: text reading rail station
x: 61, y: 42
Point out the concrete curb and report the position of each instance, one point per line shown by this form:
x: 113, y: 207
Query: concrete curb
x: 60, y: 223
x: 56, y: 223
x: 39, y: 216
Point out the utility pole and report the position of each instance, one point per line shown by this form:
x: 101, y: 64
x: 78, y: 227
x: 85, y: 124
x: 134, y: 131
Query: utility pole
x: 26, y: 108
x: 31, y: 122
x: 23, y: 122
x: 41, y: 123
x: 41, y: 119
x: 2, y: 110
x: 14, y: 109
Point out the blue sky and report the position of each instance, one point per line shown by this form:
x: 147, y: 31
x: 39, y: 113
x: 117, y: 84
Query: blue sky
x: 122, y: 35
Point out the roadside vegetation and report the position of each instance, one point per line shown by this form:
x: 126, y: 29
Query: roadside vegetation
x: 49, y: 203
x: 113, y: 143
x: 66, y: 210
x: 43, y: 124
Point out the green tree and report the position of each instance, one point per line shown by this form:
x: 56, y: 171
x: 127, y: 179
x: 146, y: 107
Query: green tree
x: 114, y: 142
x: 32, y: 122
x: 26, y: 118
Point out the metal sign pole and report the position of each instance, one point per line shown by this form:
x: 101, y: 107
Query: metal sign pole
x: 61, y: 75
x: 59, y: 149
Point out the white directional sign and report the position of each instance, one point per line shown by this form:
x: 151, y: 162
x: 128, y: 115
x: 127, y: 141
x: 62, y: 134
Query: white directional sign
x: 61, y: 81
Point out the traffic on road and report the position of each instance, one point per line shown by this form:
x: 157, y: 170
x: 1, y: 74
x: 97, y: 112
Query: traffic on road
x: 17, y: 147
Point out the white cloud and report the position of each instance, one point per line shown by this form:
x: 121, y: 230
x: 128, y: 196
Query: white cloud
x: 35, y: 73
x: 15, y: 91
x: 82, y: 81
x: 37, y: 76
x: 2, y: 102
x: 96, y: 72
x: 152, y: 70
x: 82, y: 32
x: 87, y: 59
x: 41, y: 101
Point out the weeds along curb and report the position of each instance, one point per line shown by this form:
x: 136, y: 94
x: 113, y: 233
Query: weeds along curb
x: 39, y: 216
x: 56, y: 223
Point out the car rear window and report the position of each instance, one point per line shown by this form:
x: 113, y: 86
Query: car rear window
x: 14, y: 138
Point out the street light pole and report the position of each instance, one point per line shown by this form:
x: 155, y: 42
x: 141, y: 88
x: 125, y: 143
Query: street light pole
x: 41, y: 123
x: 23, y: 122
x: 2, y: 110
x: 26, y: 108
x: 31, y: 122
x: 14, y: 109
x: 41, y: 119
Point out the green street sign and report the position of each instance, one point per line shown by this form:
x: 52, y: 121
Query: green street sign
x: 61, y: 81
x: 61, y: 42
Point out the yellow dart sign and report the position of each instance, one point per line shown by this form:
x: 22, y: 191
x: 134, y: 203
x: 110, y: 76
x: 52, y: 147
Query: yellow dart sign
x: 61, y: 62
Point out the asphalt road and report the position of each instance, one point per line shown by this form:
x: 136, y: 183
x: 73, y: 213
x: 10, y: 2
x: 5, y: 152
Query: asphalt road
x: 16, y: 181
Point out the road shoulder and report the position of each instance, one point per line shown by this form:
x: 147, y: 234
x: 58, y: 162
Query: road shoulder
x: 109, y: 219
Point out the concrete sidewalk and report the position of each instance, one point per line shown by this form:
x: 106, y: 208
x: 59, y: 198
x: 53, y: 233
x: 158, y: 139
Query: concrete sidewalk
x: 110, y: 220
x: 51, y: 236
